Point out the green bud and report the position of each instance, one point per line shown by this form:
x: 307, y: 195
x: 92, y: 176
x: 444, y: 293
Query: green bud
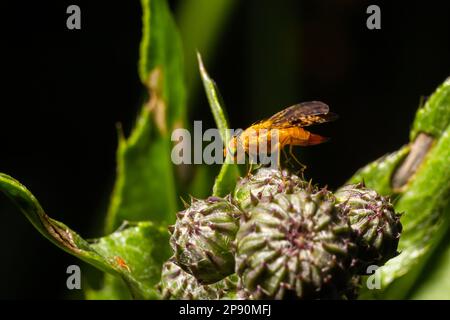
x: 375, y: 222
x: 265, y: 184
x: 294, y: 246
x: 176, y: 284
x: 202, y: 238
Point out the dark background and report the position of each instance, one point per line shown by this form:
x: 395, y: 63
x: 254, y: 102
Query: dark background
x: 63, y: 92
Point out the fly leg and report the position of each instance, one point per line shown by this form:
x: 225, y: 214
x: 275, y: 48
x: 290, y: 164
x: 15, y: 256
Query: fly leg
x: 279, y: 146
x: 302, y: 166
x: 252, y: 160
x: 285, y: 154
x: 250, y: 167
x: 288, y: 159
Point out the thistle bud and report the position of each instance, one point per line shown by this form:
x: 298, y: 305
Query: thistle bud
x: 202, y: 239
x: 294, y: 246
x: 265, y: 184
x: 176, y: 284
x: 374, y: 221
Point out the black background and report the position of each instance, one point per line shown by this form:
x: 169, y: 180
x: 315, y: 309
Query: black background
x: 63, y: 92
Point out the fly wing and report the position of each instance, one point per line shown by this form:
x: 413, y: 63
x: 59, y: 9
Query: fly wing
x: 302, y: 115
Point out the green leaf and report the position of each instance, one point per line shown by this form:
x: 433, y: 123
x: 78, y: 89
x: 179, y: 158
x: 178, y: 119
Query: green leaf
x: 215, y: 101
x: 145, y: 188
x: 229, y: 172
x: 226, y: 180
x: 132, y: 254
x: 434, y: 283
x: 426, y: 219
x: 377, y: 175
x: 423, y: 195
x: 434, y: 117
x: 112, y: 288
x: 161, y: 48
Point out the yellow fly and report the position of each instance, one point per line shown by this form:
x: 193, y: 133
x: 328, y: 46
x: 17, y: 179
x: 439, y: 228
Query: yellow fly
x: 289, y: 124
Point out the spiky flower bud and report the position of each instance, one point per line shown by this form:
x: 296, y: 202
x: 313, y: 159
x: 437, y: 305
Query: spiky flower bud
x: 176, y: 284
x: 294, y: 246
x: 202, y: 238
x: 264, y: 184
x: 374, y: 221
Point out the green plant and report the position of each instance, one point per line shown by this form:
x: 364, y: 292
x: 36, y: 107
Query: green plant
x: 201, y: 238
x: 295, y: 245
x: 374, y: 219
x: 136, y: 243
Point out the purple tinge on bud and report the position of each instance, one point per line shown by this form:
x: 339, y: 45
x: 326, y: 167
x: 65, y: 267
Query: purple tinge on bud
x: 202, y: 239
x: 374, y: 221
x: 295, y: 246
